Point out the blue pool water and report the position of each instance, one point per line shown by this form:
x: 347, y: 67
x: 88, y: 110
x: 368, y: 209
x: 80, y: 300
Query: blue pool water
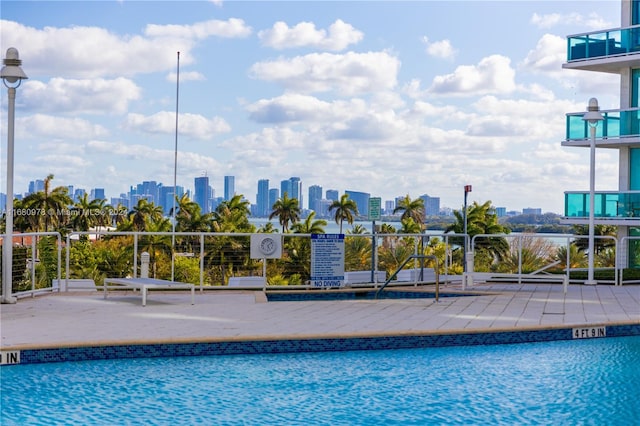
x: 588, y: 382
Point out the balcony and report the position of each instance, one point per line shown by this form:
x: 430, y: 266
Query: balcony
x: 606, y: 51
x: 619, y: 127
x: 615, y: 208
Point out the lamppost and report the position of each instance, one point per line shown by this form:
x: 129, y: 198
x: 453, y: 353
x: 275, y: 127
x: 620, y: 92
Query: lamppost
x: 592, y: 116
x: 467, y: 190
x: 12, y: 75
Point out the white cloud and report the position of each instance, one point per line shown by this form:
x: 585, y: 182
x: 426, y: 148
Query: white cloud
x: 548, y: 56
x: 41, y: 125
x: 592, y: 21
x: 290, y: 108
x: 120, y: 161
x: 439, y: 49
x: 347, y: 74
x: 492, y: 74
x: 89, y: 52
x: 305, y: 34
x: 91, y: 96
x: 191, y: 125
x: 232, y: 28
x: 186, y: 76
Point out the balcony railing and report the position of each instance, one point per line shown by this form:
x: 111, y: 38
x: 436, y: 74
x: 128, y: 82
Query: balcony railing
x: 616, y: 124
x: 614, y: 42
x: 610, y: 205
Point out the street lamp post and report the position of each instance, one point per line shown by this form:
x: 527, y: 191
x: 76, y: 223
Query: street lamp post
x: 467, y: 190
x: 12, y: 75
x: 593, y: 117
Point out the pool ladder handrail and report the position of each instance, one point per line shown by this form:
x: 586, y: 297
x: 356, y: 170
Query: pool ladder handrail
x: 414, y: 256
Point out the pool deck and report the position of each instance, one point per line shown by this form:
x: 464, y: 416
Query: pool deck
x: 83, y: 319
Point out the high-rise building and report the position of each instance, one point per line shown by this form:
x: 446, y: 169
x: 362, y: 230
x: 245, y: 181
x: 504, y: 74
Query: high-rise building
x: 296, y: 189
x: 285, y: 187
x: 229, y: 187
x: 612, y: 51
x: 97, y: 194
x: 166, y: 196
x: 315, y: 195
x: 431, y: 205
x: 262, y: 198
x: 273, y: 197
x: 78, y: 193
x: 332, y: 195
x: 389, y: 206
x: 202, y: 191
x: 362, y: 201
x: 36, y: 186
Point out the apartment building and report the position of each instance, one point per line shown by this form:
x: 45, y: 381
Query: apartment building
x: 615, y: 51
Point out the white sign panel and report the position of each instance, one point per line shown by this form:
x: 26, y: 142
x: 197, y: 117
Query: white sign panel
x: 266, y: 246
x: 9, y: 357
x: 327, y: 260
x: 589, y: 332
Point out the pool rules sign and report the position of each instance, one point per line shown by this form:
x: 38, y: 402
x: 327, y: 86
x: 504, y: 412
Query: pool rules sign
x: 327, y: 260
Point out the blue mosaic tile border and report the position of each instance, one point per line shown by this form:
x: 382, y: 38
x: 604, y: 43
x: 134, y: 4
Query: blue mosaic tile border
x: 245, y: 347
x: 291, y: 296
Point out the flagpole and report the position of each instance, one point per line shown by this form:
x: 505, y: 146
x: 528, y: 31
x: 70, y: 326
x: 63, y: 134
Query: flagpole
x: 175, y: 175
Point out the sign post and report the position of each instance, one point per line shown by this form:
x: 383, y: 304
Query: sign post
x: 375, y: 204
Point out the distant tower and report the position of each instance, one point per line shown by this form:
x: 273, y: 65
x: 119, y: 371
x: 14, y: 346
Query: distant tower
x: 296, y: 189
x: 229, y: 187
x: 202, y: 192
x: 285, y: 186
x: 97, y: 194
x: 273, y: 197
x: 262, y: 198
x: 332, y: 195
x: 315, y: 195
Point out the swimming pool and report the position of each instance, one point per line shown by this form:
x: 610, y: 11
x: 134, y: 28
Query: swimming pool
x: 563, y: 382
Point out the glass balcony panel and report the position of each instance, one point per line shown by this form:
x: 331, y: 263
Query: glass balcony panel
x: 605, y: 43
x: 613, y: 205
x: 616, y: 124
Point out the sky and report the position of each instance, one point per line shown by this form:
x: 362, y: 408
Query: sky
x: 385, y: 97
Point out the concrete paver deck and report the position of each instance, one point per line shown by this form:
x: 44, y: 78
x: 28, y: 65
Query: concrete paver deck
x: 81, y: 319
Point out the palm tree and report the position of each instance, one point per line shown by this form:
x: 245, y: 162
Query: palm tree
x: 49, y: 206
x: 481, y: 219
x: 409, y: 226
x: 413, y: 209
x: 233, y: 215
x: 189, y: 217
x: 286, y: 210
x: 85, y: 213
x: 345, y: 210
x: 310, y: 226
x: 358, y: 229
x: 143, y: 212
x: 267, y: 228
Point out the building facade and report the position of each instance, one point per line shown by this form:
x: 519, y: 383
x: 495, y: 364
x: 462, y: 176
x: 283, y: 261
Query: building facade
x: 229, y: 187
x: 615, y: 51
x: 202, y: 191
x: 362, y: 201
x: 315, y: 196
x: 263, y: 208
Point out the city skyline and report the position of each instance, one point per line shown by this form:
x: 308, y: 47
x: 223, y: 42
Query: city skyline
x: 386, y: 97
x: 202, y: 190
